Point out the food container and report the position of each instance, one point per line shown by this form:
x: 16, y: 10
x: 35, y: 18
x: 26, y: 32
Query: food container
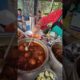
x: 55, y: 64
x: 34, y: 71
x: 46, y: 74
x: 57, y: 50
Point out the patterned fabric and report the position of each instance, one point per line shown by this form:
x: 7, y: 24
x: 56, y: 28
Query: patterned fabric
x: 52, y: 17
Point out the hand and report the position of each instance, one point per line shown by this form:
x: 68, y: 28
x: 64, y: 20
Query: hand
x: 20, y: 34
x: 36, y: 28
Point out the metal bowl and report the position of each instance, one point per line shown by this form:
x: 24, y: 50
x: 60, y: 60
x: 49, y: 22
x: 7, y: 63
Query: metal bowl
x: 58, y: 43
x: 49, y: 70
x: 55, y: 64
x: 44, y: 46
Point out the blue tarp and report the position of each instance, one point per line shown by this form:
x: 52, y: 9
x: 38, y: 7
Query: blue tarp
x: 3, y: 4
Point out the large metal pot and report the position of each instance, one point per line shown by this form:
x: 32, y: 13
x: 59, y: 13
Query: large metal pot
x: 54, y: 52
x: 42, y: 44
x: 55, y: 64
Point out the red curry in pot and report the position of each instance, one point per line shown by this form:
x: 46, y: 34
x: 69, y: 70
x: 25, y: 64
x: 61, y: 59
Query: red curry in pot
x: 31, y: 59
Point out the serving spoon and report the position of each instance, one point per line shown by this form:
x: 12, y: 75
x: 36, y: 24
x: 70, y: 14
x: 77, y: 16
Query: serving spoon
x: 27, y: 47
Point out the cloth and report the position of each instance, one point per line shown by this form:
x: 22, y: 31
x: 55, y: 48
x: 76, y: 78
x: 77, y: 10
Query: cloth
x: 28, y: 26
x: 51, y: 18
x: 19, y: 17
x: 57, y: 29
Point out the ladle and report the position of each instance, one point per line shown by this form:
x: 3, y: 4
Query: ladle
x: 27, y: 47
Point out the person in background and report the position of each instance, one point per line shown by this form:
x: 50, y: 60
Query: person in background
x: 28, y: 27
x: 38, y: 16
x: 53, y: 17
x: 19, y: 15
x: 7, y: 21
x: 20, y: 19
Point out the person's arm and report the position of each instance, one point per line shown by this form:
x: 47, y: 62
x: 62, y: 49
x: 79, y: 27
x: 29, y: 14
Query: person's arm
x: 23, y: 19
x: 20, y: 33
x: 36, y: 28
x: 19, y: 30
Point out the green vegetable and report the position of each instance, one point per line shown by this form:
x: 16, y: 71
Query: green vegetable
x: 41, y: 74
x: 48, y: 78
x: 51, y: 75
x: 46, y: 75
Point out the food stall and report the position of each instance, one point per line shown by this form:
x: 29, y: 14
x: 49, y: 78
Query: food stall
x: 40, y: 56
x: 34, y: 57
